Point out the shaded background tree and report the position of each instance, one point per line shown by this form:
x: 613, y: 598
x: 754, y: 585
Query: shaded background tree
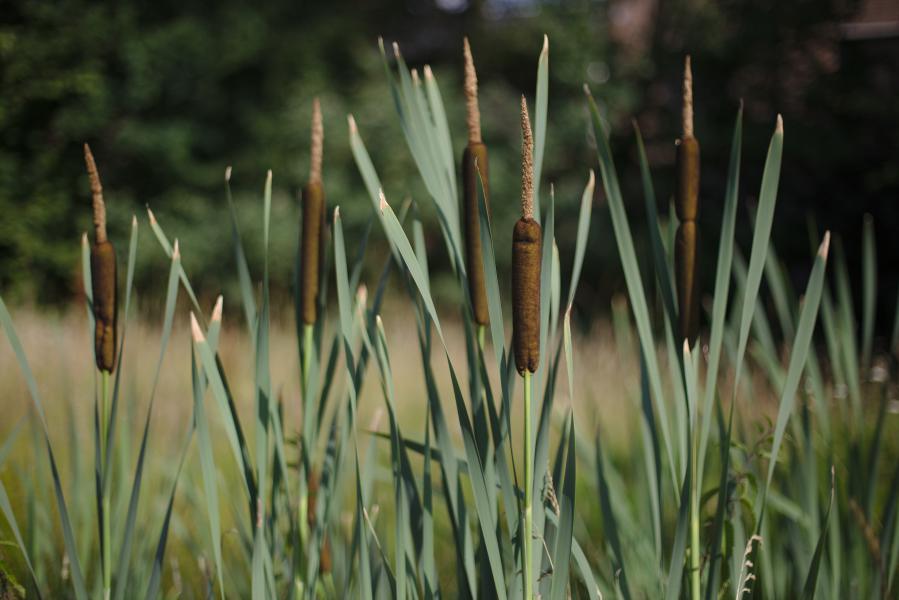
x: 169, y: 93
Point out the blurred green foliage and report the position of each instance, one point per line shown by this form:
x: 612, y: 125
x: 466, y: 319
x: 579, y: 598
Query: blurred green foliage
x: 170, y: 93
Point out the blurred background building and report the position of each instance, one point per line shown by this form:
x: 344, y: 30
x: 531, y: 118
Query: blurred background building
x: 170, y: 93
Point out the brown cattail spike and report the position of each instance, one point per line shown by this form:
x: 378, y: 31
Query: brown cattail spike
x: 318, y: 137
x: 527, y: 163
x: 103, y: 276
x: 526, y: 257
x: 313, y: 224
x: 97, y: 196
x: 687, y: 208
x: 474, y: 161
x: 472, y: 112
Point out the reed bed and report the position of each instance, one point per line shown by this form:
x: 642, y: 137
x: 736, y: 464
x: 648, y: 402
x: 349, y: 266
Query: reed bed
x: 375, y: 451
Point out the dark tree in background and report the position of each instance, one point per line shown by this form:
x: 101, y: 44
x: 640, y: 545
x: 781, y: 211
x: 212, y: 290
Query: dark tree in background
x: 170, y: 93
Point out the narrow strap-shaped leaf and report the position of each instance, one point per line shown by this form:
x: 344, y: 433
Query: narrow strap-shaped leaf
x: 68, y: 535
x: 610, y: 522
x: 869, y: 290
x: 760, y: 241
x: 811, y: 580
x: 659, y: 258
x: 540, y: 109
x: 722, y: 287
x: 240, y: 259
x: 124, y: 556
x: 807, y: 319
x: 564, y: 534
x: 6, y: 508
x: 156, y: 575
x: 632, y: 277
x: 583, y: 229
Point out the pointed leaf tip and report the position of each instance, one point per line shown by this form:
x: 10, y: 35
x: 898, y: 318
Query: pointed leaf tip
x: 825, y: 245
x: 351, y: 122
x: 336, y: 213
x: 396, y: 50
x: 429, y: 75
x: 228, y: 174
x: 780, y: 124
x: 151, y: 216
x: 176, y: 252
x: 134, y: 220
x: 545, y: 44
x: 195, y: 330
x: 84, y: 238
x: 217, y: 309
x: 383, y: 199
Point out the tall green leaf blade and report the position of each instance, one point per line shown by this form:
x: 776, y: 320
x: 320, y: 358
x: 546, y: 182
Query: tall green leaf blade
x: 564, y: 534
x: 540, y: 110
x: 801, y: 344
x: 760, y: 241
x: 722, y: 286
x: 869, y: 289
x: 632, y: 278
x: 124, y: 554
x: 68, y: 534
x: 811, y: 580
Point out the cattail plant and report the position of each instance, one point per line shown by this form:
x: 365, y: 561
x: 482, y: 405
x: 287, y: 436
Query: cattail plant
x: 313, y: 218
x: 687, y: 206
x: 474, y: 162
x: 103, y: 288
x: 103, y: 275
x: 526, y: 252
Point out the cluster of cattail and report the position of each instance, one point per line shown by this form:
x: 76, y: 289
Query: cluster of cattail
x: 687, y: 207
x: 103, y: 275
x: 474, y: 161
x: 313, y: 223
x: 526, y: 237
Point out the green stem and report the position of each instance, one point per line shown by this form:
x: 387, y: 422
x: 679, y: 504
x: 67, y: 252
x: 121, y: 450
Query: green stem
x: 307, y: 403
x: 694, y: 522
x: 104, y: 487
x: 528, y: 490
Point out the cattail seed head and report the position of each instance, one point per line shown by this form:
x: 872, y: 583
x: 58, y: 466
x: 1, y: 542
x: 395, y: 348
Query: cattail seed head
x: 472, y: 112
x: 313, y: 225
x: 526, y: 257
x: 103, y: 275
x: 686, y: 204
x: 474, y: 160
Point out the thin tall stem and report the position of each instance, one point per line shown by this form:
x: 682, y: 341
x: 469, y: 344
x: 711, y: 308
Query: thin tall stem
x: 104, y: 487
x: 528, y: 491
x: 304, y: 484
x: 694, y: 514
